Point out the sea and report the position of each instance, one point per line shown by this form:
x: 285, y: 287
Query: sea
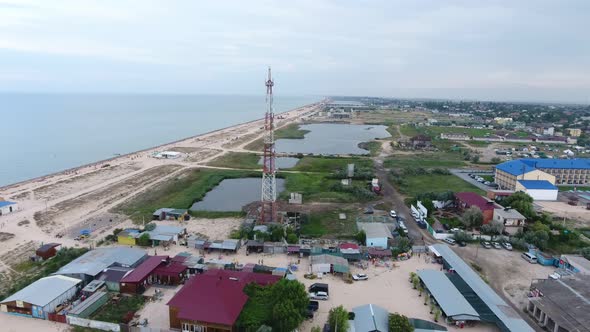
x: 46, y: 133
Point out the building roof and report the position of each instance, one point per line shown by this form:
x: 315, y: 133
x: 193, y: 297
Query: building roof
x: 537, y: 184
x: 579, y: 262
x: 473, y: 199
x: 114, y: 274
x: 515, y: 167
x: 47, y: 247
x: 164, y: 232
x: 144, y: 269
x: 6, y: 203
x: 172, y: 269
x: 158, y: 212
x: 216, y: 296
x: 421, y: 138
x: 509, y: 214
x: 87, y: 304
x: 228, y: 244
x: 503, y: 311
x: 577, y: 163
x: 44, y: 290
x: 328, y: 259
x: 447, y: 295
x: 375, y: 229
x: 95, y: 261
x: 370, y: 317
x: 566, y: 301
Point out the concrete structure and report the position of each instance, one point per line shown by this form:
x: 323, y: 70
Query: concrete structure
x: 465, y: 200
x: 41, y: 297
x: 326, y: 263
x: 539, y: 190
x: 7, y: 207
x: 512, y: 220
x: 92, y: 263
x: 213, y: 301
x: 561, y: 305
x: 370, y: 318
x: 556, y: 171
x: 490, y: 307
x: 378, y: 234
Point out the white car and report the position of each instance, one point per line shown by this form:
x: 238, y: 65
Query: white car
x: 402, y: 226
x: 359, y: 276
x: 449, y: 241
x: 319, y: 296
x: 554, y: 276
x: 393, y: 214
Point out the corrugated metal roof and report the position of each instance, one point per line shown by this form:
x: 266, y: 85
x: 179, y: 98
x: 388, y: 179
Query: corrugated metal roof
x: 509, y: 214
x: 44, y: 290
x: 370, y: 317
x: 504, y: 312
x: 447, y: 295
x: 95, y: 261
x: 515, y: 167
x: 577, y: 163
x: 6, y: 203
x: 375, y: 229
x: 537, y: 184
x: 84, y: 305
x: 144, y: 269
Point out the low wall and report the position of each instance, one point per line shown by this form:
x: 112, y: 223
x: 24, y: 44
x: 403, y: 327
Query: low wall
x: 95, y: 324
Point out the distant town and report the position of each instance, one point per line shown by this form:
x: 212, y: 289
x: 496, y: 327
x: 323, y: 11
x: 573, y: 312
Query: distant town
x: 350, y: 214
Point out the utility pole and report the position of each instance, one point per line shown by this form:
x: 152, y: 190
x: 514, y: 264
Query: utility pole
x: 269, y: 188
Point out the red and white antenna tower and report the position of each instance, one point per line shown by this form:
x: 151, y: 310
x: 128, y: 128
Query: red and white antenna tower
x: 269, y: 187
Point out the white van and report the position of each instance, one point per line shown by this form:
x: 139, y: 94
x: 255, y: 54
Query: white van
x: 529, y: 257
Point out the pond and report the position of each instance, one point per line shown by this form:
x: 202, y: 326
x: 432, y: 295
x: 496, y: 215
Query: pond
x: 283, y: 162
x: 232, y: 194
x: 325, y: 138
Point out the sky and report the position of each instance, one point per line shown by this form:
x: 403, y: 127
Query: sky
x: 522, y: 50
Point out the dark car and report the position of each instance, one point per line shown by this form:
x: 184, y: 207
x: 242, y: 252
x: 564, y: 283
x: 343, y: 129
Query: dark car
x: 318, y: 287
x: 462, y: 243
x: 313, y: 305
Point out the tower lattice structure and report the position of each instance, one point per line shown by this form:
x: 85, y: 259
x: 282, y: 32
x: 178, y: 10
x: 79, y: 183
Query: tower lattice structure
x: 268, y: 211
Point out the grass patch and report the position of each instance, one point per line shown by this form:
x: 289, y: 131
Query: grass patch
x: 329, y: 164
x: 478, y: 143
x: 417, y: 184
x: 439, y: 159
x: 237, y: 160
x: 115, y: 312
x: 320, y: 188
x: 180, y: 192
x: 291, y: 131
x: 217, y: 214
x: 408, y: 130
x: 319, y: 224
x: 571, y: 188
x: 452, y: 222
x: 488, y: 178
x: 373, y: 147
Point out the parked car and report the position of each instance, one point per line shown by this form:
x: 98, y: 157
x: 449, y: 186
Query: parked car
x: 455, y: 230
x: 393, y: 214
x: 507, y: 245
x: 323, y: 296
x: 529, y: 257
x: 462, y: 243
x: 313, y: 305
x: 486, y: 244
x: 402, y: 225
x: 450, y: 241
x: 360, y: 276
x: 555, y: 276
x: 319, y: 287
x: 487, y: 183
x: 496, y: 245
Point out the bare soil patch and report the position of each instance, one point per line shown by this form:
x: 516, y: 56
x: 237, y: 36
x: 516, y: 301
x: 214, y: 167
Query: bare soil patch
x: 5, y: 236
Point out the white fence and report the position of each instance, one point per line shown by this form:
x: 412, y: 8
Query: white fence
x: 95, y: 324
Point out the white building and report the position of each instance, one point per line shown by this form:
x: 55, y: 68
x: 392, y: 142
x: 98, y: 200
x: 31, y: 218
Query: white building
x: 7, y: 207
x: 378, y: 234
x: 539, y: 190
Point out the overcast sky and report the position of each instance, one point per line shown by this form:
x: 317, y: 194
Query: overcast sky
x: 493, y: 50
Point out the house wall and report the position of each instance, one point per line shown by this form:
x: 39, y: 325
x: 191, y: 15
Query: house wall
x: 321, y: 268
x: 510, y: 182
x: 126, y: 240
x: 542, y: 194
x: 377, y: 242
x: 8, y: 209
x: 11, y: 307
x: 65, y: 296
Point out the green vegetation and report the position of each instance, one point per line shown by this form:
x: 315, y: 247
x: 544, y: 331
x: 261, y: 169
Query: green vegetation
x: 452, y: 222
x: 488, y: 177
x: 144, y: 240
x: 318, y: 224
x: 281, y: 306
x: 338, y: 319
x: 217, y: 214
x: 116, y: 311
x: 33, y: 271
x: 408, y: 130
x: 322, y: 188
x: 478, y: 143
x: 399, y: 323
x: 331, y: 164
x: 374, y: 147
x: 291, y: 131
x: 180, y: 192
x: 413, y: 185
x: 439, y: 159
x: 237, y: 160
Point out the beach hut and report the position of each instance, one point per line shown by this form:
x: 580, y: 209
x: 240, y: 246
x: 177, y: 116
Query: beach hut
x: 47, y: 250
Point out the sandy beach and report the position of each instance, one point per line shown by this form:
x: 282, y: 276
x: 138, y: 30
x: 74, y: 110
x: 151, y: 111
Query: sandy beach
x: 63, y: 203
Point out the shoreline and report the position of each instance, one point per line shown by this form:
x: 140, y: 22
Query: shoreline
x: 98, y: 162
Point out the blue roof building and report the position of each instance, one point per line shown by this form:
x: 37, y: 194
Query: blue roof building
x: 537, y: 184
x: 556, y: 171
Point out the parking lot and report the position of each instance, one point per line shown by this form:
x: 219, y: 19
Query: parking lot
x: 464, y: 174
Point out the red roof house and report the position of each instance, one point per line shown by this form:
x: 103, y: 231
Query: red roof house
x: 142, y: 276
x: 213, y: 300
x: 465, y: 200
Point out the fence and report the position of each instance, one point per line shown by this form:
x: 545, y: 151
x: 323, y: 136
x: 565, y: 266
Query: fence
x: 95, y: 324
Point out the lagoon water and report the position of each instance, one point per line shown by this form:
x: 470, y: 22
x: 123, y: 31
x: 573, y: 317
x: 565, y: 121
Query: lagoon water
x: 43, y: 133
x: 325, y: 138
x: 232, y: 194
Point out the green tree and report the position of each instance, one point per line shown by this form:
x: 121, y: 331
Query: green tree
x: 144, y: 240
x: 338, y: 319
x: 316, y: 329
x: 472, y: 217
x: 475, y: 158
x: 150, y: 226
x: 493, y: 228
x: 399, y: 323
x: 292, y: 238
x: 585, y: 252
x: 277, y: 232
x: 361, y: 237
x: 495, y: 160
x: 521, y: 202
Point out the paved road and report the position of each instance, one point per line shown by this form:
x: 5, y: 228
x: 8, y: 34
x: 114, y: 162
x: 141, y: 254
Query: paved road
x: 391, y: 195
x: 463, y: 174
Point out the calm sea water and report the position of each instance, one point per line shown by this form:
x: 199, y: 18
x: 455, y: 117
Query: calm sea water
x: 232, y: 194
x: 42, y: 134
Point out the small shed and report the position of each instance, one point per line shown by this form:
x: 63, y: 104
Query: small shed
x: 379, y: 253
x: 128, y: 237
x: 225, y: 245
x: 112, y: 277
x: 170, y: 214
x: 326, y: 263
x: 89, y: 306
x: 7, y: 207
x: 293, y: 249
x: 350, y: 251
x: 254, y: 246
x: 275, y: 248
x: 167, y: 233
x: 47, y: 250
